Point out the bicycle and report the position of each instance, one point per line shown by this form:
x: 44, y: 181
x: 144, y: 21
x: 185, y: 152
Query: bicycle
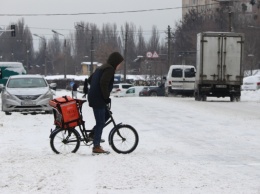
x: 66, y: 138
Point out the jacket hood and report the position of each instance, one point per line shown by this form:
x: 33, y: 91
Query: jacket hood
x: 115, y: 59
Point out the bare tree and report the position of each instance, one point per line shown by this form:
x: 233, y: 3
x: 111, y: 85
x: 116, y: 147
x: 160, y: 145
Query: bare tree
x: 20, y: 47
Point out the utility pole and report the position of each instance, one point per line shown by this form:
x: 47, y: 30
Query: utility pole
x: 45, y: 53
x: 65, y: 53
x: 125, y: 53
x: 91, y: 54
x: 169, y: 47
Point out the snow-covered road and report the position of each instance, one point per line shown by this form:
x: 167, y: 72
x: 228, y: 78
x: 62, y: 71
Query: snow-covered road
x: 185, y: 147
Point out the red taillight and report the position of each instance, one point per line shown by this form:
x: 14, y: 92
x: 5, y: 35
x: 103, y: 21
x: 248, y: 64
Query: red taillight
x: 258, y: 83
x: 118, y: 90
x: 170, y: 82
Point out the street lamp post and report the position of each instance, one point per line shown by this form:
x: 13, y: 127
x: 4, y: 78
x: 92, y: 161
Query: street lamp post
x: 27, y: 52
x: 91, y: 50
x: 45, y: 66
x: 65, y: 53
x: 139, y: 61
x: 251, y: 55
x: 27, y: 59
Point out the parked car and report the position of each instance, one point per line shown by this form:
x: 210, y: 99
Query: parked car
x: 251, y: 83
x: 133, y: 91
x: 153, y: 91
x: 120, y: 89
x: 27, y: 94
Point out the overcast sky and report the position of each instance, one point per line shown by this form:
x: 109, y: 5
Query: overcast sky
x: 42, y: 25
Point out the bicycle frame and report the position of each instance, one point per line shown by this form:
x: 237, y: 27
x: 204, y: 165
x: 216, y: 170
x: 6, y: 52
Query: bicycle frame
x: 110, y: 120
x: 83, y: 132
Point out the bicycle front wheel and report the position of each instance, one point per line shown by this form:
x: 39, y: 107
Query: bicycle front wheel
x: 124, y: 139
x: 65, y: 141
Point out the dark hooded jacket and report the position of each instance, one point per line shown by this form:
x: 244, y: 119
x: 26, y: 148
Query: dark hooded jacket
x: 101, y: 81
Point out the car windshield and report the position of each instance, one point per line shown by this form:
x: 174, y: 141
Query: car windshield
x: 115, y: 86
x: 27, y: 83
x: 126, y: 86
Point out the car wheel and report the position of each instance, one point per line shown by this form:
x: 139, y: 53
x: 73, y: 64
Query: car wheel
x: 8, y: 113
x: 48, y: 112
x: 166, y: 92
x: 153, y: 94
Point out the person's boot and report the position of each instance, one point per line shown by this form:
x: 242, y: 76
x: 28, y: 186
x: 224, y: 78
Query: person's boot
x: 99, y: 150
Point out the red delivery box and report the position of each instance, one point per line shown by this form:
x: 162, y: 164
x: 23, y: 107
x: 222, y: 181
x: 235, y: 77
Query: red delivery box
x: 66, y: 112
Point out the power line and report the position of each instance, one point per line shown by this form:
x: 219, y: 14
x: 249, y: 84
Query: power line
x: 104, y: 13
x: 91, y: 13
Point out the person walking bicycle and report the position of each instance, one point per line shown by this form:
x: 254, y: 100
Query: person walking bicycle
x: 101, y: 84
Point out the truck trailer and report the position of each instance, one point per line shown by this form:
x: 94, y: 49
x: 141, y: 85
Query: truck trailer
x: 219, y: 65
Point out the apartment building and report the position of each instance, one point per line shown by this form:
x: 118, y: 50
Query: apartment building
x: 208, y: 7
x: 198, y: 5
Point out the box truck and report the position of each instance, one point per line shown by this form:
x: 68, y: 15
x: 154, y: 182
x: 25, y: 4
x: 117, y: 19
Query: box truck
x: 219, y: 65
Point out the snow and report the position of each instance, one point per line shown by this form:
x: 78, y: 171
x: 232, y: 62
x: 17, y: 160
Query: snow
x: 185, y: 146
x: 83, y: 77
x: 74, y: 77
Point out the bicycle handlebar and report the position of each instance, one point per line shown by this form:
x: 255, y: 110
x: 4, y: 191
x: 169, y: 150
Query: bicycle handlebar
x: 109, y: 106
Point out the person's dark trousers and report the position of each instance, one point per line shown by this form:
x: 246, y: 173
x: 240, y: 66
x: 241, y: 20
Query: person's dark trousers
x: 101, y: 116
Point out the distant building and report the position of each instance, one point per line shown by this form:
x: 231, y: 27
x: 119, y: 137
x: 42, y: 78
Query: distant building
x: 201, y: 6
x: 208, y: 7
x: 86, y: 67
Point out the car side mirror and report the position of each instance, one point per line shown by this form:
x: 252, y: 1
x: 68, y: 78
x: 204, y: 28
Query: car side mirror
x: 2, y: 87
x: 53, y: 86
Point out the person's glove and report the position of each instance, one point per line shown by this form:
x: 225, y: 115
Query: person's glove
x: 108, y: 101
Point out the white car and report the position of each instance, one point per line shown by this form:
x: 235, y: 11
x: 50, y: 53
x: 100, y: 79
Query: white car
x: 251, y: 83
x: 133, y: 91
x: 27, y: 94
x: 120, y: 89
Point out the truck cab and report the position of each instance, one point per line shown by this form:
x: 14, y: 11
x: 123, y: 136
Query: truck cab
x: 8, y: 69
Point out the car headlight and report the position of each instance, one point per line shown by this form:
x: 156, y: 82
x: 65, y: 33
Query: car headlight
x: 7, y: 95
x: 48, y: 95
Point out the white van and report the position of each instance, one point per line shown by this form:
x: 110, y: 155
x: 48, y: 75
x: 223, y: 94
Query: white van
x: 180, y: 80
x: 133, y: 91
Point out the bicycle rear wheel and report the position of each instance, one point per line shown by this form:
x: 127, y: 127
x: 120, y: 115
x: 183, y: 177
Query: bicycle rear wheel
x: 124, y: 139
x: 65, y: 141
